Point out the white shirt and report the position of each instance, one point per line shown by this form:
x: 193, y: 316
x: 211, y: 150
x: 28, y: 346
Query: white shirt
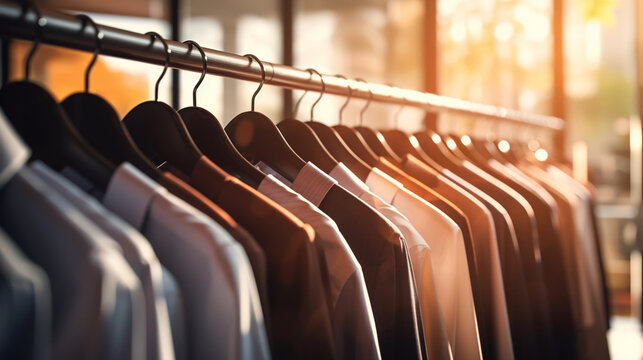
x: 449, y: 259
x: 136, y: 250
x: 435, y: 334
x: 25, y: 329
x: 351, y: 313
x: 222, y: 310
x: 96, y: 299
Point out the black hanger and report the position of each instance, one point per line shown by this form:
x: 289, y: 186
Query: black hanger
x: 335, y: 144
x: 258, y: 139
x: 514, y: 154
x: 98, y: 122
x: 404, y: 144
x: 487, y: 149
x: 433, y: 146
x: 373, y: 138
x: 463, y: 148
x: 397, y: 140
x: 351, y: 137
x: 304, y: 141
x: 208, y: 134
x: 160, y: 133
x: 45, y: 127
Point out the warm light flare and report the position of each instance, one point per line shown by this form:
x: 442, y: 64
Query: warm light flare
x: 503, y: 145
x: 503, y: 31
x: 541, y: 154
x: 533, y: 145
x: 458, y: 31
x: 466, y: 140
x: 451, y: 144
x: 414, y: 141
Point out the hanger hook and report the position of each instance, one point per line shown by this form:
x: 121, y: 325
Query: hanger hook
x: 204, y: 60
x: 40, y: 24
x: 370, y: 98
x: 398, y: 112
x: 263, y: 78
x: 350, y: 94
x: 99, y: 36
x: 323, y: 90
x: 310, y: 71
x: 168, y: 52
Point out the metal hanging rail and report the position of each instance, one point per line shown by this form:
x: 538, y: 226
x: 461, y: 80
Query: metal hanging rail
x: 68, y: 31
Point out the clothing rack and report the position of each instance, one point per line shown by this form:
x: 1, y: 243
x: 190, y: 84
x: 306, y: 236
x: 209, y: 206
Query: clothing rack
x: 66, y: 30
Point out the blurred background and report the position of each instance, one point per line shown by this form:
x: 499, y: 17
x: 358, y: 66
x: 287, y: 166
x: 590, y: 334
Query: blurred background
x: 576, y: 59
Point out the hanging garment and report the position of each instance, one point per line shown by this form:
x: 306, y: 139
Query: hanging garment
x: 435, y: 333
x: 255, y: 254
x: 295, y: 285
x: 548, y: 243
x: 591, y: 339
x: 98, y: 308
x: 350, y: 308
x: 25, y: 298
x: 215, y: 278
x: 138, y: 253
x: 446, y: 243
x: 561, y: 303
x: 97, y: 302
x: 171, y: 291
x: 450, y: 210
x: 517, y: 297
x: 381, y: 251
x: 523, y: 220
x: 487, y: 255
x: 594, y: 344
x: 175, y: 309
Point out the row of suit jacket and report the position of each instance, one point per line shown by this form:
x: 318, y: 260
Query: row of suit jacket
x: 409, y: 254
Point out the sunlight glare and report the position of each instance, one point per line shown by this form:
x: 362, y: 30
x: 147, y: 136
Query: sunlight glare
x: 503, y: 145
x: 541, y: 154
x: 503, y: 31
x: 466, y: 140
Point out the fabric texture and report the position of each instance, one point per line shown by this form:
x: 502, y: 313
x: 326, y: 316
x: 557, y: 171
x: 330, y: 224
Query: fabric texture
x: 495, y: 339
x: 350, y: 308
x: 381, y: 250
x: 293, y: 273
x: 445, y: 240
x: 557, y: 303
x: 137, y: 252
x: 214, y: 275
x: 256, y: 256
x: 435, y: 333
x: 95, y: 294
x: 579, y: 250
x: 25, y: 300
x: 535, y: 346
